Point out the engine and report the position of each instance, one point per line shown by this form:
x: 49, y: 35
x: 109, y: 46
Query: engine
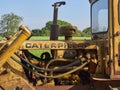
x: 68, y: 62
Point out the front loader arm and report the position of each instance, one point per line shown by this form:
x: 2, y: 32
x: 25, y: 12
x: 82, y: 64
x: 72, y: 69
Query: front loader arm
x: 14, y: 45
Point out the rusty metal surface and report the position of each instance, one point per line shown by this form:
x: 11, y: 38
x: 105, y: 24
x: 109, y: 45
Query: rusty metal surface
x: 12, y: 81
x: 95, y: 85
x: 59, y: 45
x: 71, y: 87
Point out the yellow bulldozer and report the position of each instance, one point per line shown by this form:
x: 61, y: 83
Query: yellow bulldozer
x: 70, y: 64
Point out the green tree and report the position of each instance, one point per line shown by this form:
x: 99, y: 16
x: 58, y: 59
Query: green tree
x: 46, y: 30
x: 10, y: 22
x: 59, y: 22
x: 87, y: 32
x: 36, y: 32
x: 79, y: 34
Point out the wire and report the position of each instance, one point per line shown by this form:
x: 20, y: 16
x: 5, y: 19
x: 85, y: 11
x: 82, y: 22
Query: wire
x: 56, y: 69
x: 57, y: 76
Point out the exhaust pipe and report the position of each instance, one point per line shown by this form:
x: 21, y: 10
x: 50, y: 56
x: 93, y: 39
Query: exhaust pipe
x: 54, y: 26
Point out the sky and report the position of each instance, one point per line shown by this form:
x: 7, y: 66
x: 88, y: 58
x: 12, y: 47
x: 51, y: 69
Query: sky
x: 36, y: 13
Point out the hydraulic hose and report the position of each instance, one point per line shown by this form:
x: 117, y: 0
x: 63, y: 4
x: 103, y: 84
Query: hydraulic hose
x: 60, y: 68
x: 57, y: 76
x: 51, y: 70
x: 63, y: 67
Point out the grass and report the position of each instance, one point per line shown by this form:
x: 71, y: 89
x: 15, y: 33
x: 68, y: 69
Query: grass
x: 59, y: 38
x: 38, y: 52
x: 39, y: 38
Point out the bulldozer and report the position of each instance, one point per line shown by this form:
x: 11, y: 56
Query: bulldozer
x: 70, y: 64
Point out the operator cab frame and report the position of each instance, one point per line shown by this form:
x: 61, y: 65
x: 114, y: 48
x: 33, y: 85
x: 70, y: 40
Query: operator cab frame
x: 99, y: 22
x: 105, y: 26
x: 99, y: 19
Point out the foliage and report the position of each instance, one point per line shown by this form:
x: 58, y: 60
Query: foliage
x: 87, y: 32
x: 79, y: 33
x: 9, y: 23
x: 36, y: 32
x: 45, y: 31
x: 59, y: 22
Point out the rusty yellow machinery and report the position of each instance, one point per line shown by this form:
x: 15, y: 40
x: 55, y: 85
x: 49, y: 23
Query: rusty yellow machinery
x: 69, y: 65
